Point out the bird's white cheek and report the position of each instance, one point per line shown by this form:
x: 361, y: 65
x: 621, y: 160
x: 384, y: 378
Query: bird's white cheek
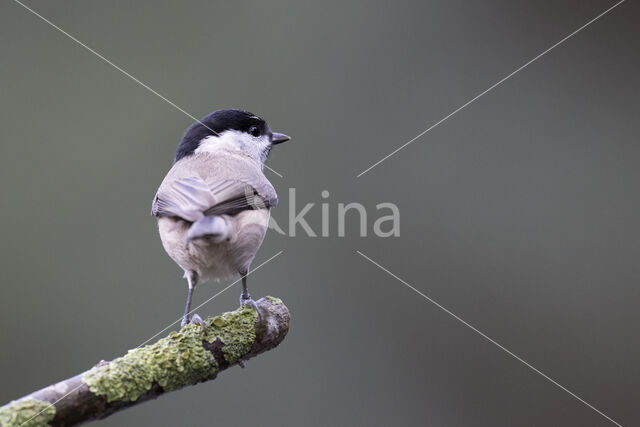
x: 256, y: 148
x: 227, y: 140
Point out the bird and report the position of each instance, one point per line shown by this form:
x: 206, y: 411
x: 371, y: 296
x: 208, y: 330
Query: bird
x: 214, y: 204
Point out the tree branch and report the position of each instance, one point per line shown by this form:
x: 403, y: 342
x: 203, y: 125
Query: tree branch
x: 183, y: 358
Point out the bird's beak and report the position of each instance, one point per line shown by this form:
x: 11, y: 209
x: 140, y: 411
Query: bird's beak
x: 278, y: 138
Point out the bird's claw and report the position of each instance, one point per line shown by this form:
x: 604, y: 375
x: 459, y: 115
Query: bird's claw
x: 195, y: 320
x: 248, y: 302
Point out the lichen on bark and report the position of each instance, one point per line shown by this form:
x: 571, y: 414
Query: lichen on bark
x: 176, y: 361
x: 274, y: 300
x: 27, y: 412
x: 236, y: 330
x: 192, y: 355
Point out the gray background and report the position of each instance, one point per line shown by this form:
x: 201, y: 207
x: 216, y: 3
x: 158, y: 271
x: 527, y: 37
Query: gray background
x: 519, y: 214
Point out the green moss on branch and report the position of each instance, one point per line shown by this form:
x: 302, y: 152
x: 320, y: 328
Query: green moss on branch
x: 177, y: 360
x: 192, y: 355
x: 27, y: 412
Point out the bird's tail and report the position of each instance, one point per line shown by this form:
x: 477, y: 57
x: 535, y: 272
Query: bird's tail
x: 215, y: 228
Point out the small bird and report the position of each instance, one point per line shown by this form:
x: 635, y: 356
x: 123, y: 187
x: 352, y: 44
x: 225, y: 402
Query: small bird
x: 213, y: 206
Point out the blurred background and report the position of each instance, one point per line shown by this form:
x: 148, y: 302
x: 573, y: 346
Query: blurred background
x: 519, y: 213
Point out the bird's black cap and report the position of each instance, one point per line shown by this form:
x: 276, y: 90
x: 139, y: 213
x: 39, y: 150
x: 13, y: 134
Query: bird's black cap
x: 218, y: 122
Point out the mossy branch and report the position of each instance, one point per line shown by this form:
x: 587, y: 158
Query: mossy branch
x: 183, y: 358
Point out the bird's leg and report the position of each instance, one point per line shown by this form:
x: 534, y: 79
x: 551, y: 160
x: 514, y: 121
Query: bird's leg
x: 245, y: 297
x: 187, y: 308
x: 192, y: 280
x: 245, y: 292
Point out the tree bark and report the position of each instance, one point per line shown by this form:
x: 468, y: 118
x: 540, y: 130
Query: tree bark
x: 193, y: 355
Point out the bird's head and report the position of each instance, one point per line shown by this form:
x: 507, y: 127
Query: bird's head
x: 234, y: 130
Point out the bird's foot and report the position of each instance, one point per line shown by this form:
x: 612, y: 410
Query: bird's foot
x: 195, y: 320
x: 246, y: 301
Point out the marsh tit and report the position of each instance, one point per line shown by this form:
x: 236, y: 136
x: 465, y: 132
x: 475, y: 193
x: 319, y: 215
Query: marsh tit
x: 213, y: 205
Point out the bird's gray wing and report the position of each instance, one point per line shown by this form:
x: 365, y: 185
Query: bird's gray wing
x: 194, y: 198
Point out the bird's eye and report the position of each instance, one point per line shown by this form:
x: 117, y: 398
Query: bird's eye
x: 254, y: 131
